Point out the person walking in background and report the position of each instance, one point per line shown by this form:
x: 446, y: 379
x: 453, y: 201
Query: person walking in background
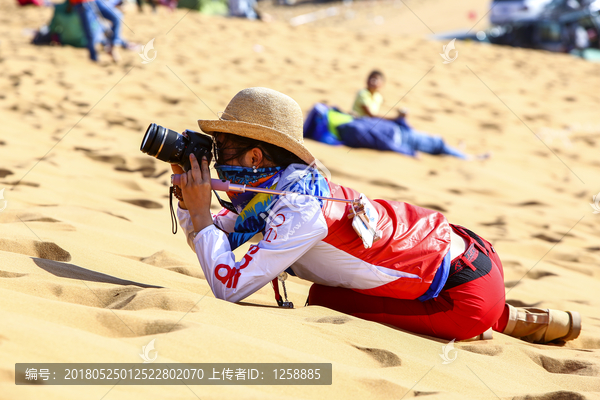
x: 86, y: 15
x: 110, y: 13
x: 87, y: 10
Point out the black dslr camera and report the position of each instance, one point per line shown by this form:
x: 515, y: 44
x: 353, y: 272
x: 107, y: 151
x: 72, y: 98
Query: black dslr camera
x: 174, y: 148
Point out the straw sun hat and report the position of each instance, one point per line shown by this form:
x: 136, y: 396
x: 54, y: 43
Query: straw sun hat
x: 266, y: 115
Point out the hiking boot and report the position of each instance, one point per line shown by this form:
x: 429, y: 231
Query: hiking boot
x: 538, y: 325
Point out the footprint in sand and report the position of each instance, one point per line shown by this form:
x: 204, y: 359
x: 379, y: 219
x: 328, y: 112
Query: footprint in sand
x: 427, y: 117
x: 131, y: 325
x: 558, y: 395
x: 435, y: 207
x: 530, y: 203
x: 547, y: 238
x: 144, y: 203
x: 35, y: 248
x: 122, y: 120
x: 564, y: 366
x: 388, y: 184
x: 116, y: 215
x: 492, y: 126
x: 145, y: 165
x: 161, y: 299
x: 511, y: 264
x: 110, y: 159
x: 334, y: 319
x: 23, y: 183
x: 500, y: 221
x: 418, y: 393
x: 14, y: 216
x: 539, y: 274
x: 170, y: 100
x: 35, y: 217
x: 384, y: 357
x: 486, y: 349
x: 172, y: 262
x: 8, y: 274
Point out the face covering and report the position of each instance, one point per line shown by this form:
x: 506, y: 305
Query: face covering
x: 244, y: 175
x: 263, y: 177
x: 251, y: 207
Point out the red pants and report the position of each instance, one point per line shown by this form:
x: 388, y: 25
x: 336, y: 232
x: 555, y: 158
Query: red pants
x: 460, y: 312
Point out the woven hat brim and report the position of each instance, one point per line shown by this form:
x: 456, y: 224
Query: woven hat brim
x: 257, y: 132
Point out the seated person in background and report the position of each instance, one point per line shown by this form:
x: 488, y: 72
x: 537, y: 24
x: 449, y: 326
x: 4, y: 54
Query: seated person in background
x: 368, y: 101
x: 370, y: 130
x: 331, y: 126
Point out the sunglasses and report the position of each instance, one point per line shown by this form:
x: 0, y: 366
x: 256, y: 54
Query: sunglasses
x: 219, y: 149
x: 219, y: 152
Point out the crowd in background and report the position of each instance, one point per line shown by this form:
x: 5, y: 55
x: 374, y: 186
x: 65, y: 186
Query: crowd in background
x: 94, y: 23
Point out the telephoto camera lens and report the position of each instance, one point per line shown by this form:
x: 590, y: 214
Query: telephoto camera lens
x: 174, y: 148
x: 164, y: 144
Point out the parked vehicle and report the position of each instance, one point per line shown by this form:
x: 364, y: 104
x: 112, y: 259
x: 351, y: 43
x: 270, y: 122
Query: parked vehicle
x: 562, y: 27
x: 508, y: 11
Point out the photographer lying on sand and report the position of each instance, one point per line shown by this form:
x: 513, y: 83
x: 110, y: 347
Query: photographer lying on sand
x: 423, y: 275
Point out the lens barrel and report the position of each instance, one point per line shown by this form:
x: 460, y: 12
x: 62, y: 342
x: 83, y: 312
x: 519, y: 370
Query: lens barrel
x: 164, y: 144
x: 149, y: 138
x: 174, y: 148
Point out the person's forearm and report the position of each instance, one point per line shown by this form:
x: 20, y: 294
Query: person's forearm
x: 367, y: 111
x: 201, y: 220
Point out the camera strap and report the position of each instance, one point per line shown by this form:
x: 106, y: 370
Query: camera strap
x: 225, y: 204
x: 173, y: 216
x: 281, y: 278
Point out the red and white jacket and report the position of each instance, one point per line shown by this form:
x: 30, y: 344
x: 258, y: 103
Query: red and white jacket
x: 320, y: 245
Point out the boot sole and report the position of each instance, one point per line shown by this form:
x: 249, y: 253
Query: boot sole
x: 575, y: 326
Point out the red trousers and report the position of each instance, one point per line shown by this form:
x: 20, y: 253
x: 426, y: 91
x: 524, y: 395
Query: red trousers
x: 460, y: 312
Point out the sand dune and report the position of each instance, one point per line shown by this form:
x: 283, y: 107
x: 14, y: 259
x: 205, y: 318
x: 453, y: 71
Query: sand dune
x: 90, y: 272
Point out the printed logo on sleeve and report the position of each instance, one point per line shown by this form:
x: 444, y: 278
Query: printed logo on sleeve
x: 228, y: 275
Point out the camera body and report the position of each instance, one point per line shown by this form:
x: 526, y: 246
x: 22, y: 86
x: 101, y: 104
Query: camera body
x: 175, y: 148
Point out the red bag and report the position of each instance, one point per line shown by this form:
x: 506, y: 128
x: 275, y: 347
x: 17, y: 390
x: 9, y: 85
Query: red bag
x: 34, y: 2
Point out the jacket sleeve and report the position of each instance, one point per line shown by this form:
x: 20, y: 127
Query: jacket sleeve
x: 224, y: 220
x: 290, y: 232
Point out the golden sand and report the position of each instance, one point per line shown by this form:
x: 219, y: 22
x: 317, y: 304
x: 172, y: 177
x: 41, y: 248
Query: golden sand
x: 89, y: 271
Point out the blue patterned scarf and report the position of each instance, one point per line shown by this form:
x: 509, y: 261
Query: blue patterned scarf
x: 254, y: 207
